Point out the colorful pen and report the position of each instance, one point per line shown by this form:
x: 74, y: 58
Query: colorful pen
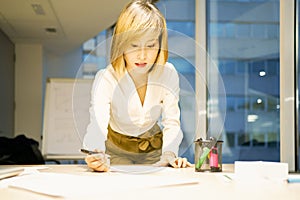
x: 293, y: 180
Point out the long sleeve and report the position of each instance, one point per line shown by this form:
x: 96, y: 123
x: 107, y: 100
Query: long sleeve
x: 172, y: 133
x: 99, y: 113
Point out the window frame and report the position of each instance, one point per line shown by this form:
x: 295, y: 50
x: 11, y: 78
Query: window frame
x: 288, y: 98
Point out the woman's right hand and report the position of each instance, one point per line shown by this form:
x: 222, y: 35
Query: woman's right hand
x: 98, y: 162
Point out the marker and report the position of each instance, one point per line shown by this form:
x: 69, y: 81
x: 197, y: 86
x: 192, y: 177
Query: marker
x: 202, y: 157
x: 89, y: 152
x: 293, y: 180
x: 214, y: 160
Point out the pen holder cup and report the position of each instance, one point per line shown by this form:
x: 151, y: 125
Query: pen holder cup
x: 208, y: 155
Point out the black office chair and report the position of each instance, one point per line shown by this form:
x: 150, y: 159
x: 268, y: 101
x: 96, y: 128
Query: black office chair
x: 20, y: 150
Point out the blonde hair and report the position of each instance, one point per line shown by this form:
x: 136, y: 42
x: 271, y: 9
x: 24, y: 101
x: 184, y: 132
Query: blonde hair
x: 136, y: 19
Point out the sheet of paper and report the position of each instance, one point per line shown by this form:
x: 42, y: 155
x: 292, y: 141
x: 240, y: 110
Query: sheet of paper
x: 26, y: 171
x: 67, y: 185
x: 245, y: 170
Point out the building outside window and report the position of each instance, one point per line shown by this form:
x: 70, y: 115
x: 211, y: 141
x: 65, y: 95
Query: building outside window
x: 243, y: 40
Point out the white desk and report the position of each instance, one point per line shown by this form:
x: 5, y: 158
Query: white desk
x: 211, y: 186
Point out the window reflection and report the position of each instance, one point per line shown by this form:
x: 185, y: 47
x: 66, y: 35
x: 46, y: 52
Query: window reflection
x: 94, y: 54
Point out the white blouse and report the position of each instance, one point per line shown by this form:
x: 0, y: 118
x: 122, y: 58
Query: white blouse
x: 118, y: 104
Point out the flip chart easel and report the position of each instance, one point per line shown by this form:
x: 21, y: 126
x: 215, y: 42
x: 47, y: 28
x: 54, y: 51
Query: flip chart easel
x: 66, y: 116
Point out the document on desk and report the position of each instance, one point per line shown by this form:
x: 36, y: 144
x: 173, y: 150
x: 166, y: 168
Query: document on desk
x: 136, y: 169
x: 67, y: 185
x: 249, y: 170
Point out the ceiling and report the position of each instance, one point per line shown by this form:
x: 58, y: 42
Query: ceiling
x: 74, y: 21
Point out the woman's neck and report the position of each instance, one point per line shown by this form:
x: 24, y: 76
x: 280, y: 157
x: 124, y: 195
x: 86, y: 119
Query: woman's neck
x: 140, y: 82
x: 139, y: 79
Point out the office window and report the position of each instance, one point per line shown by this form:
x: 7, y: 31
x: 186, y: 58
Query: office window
x: 245, y: 46
x: 95, y: 54
x: 185, y: 27
x: 243, y: 30
x: 259, y: 30
x: 227, y: 67
x: 180, y: 17
x: 242, y: 67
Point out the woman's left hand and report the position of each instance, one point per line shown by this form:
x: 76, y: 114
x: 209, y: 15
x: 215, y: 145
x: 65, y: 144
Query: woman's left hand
x: 180, y: 163
x: 169, y: 159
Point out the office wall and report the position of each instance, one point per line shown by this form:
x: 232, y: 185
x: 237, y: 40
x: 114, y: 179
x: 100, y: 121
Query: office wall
x: 62, y: 65
x: 28, y: 90
x: 7, y: 51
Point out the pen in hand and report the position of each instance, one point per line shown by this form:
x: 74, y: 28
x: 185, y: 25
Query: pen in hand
x: 89, y: 152
x: 103, y: 155
x: 100, y: 157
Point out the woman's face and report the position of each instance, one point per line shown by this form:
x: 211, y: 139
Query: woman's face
x: 141, y: 54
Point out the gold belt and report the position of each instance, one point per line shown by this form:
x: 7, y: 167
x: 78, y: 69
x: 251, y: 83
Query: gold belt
x: 146, y: 142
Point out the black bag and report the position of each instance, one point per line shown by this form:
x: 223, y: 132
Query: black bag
x: 20, y: 150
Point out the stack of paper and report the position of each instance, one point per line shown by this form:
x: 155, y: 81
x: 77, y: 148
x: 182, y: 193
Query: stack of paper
x: 245, y: 170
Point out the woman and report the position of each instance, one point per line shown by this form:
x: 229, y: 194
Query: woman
x: 136, y: 92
